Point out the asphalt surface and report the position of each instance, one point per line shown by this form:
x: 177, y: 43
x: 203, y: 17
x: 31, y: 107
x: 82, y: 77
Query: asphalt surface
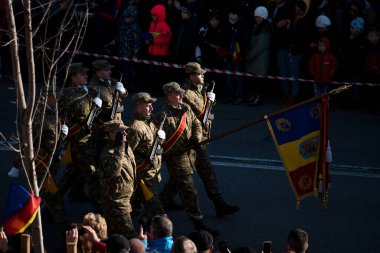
x: 251, y: 176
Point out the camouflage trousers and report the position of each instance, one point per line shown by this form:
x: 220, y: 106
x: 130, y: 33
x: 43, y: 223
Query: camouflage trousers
x: 181, y: 181
x: 152, y: 204
x: 82, y: 168
x: 206, y: 172
x: 116, y: 210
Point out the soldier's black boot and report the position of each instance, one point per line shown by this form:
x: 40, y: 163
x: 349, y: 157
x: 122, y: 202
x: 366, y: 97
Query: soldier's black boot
x: 222, y: 208
x: 199, y: 225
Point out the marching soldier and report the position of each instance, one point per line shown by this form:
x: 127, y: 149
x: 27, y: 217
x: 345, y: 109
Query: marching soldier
x: 144, y: 138
x: 118, y: 170
x: 201, y: 101
x: 78, y: 106
x: 183, y: 130
x: 111, y: 92
x: 46, y: 128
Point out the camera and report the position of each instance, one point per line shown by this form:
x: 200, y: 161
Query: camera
x: 267, y: 246
x: 222, y: 246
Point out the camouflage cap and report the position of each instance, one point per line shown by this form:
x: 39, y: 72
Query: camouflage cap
x: 77, y: 67
x: 143, y: 98
x: 101, y: 64
x: 114, y: 126
x: 172, y: 87
x: 194, y: 68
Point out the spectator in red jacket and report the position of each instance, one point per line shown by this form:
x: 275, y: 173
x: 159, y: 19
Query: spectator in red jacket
x: 322, y: 66
x: 158, y: 45
x: 162, y: 34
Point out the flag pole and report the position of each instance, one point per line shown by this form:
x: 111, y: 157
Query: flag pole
x: 258, y: 120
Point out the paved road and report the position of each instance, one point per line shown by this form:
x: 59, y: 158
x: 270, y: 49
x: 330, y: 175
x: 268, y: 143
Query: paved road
x: 251, y: 176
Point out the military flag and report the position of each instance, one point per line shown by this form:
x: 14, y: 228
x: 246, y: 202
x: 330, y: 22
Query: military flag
x: 297, y: 135
x: 21, y: 209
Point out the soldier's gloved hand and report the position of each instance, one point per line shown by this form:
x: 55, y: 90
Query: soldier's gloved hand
x: 120, y: 138
x: 161, y: 134
x: 65, y: 130
x: 98, y: 102
x: 120, y: 87
x: 211, y: 96
x: 14, y: 172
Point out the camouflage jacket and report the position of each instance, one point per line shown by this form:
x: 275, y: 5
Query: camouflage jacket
x: 192, y: 133
x: 118, y: 170
x: 74, y: 107
x: 106, y: 90
x: 195, y: 96
x: 48, y: 129
x: 141, y: 136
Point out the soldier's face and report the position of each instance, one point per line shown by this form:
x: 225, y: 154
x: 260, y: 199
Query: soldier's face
x: 144, y: 109
x: 79, y: 79
x: 197, y: 78
x: 104, y: 74
x: 174, y: 98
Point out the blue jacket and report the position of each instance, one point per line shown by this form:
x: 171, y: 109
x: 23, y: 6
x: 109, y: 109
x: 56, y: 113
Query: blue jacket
x: 161, y: 245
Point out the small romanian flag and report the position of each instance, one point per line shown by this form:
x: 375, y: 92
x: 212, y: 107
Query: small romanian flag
x: 296, y: 134
x: 21, y: 210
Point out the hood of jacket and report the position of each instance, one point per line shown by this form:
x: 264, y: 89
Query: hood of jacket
x: 160, y: 12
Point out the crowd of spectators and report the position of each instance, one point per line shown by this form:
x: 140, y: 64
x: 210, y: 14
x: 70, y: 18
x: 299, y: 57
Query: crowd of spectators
x: 265, y: 37
x: 91, y: 236
x: 280, y: 38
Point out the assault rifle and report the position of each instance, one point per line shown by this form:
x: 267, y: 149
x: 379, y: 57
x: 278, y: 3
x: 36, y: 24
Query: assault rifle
x: 208, y: 106
x: 156, y: 141
x: 94, y: 111
x: 115, y: 101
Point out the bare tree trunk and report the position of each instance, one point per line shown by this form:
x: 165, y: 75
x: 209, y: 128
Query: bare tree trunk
x: 37, y: 235
x: 25, y: 110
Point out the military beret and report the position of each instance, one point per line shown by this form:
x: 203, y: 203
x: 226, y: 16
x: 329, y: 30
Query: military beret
x: 194, y: 68
x: 143, y: 98
x: 172, y: 87
x: 77, y: 67
x: 202, y: 239
x: 114, y: 126
x: 101, y: 64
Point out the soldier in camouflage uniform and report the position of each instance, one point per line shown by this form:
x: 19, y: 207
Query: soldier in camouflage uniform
x: 105, y: 86
x: 142, y: 135
x: 118, y: 172
x: 48, y: 132
x: 75, y: 104
x: 183, y: 131
x: 199, y: 99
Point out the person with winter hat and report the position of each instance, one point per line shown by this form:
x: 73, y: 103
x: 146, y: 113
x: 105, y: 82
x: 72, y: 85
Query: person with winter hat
x: 357, y: 24
x: 258, y: 54
x: 322, y: 21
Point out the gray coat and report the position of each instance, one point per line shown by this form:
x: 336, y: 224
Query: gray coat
x: 258, y: 53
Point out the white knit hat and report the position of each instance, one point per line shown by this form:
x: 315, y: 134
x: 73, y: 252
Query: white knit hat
x: 261, y: 12
x: 322, y: 21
